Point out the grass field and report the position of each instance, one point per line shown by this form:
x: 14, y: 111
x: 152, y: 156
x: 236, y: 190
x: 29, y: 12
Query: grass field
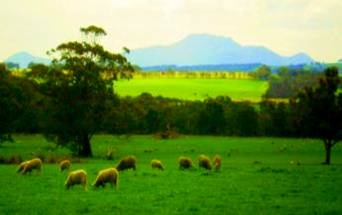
x: 272, y: 185
x: 194, y: 89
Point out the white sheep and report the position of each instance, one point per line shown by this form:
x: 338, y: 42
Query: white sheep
x: 64, y: 164
x: 28, y: 166
x: 77, y: 177
x: 110, y: 175
x: 157, y: 164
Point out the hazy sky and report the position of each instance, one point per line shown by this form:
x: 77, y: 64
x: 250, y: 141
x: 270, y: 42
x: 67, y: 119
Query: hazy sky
x: 285, y: 26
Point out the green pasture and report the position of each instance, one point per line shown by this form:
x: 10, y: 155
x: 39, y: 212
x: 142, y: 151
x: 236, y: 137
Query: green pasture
x: 258, y: 176
x: 194, y: 88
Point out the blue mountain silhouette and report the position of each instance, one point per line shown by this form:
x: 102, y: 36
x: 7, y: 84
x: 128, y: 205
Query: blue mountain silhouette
x: 205, y: 49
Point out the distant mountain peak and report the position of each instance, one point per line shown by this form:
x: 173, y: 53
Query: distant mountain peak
x: 200, y: 49
x: 24, y: 58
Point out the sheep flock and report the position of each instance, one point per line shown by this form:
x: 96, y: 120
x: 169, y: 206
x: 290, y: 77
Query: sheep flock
x: 111, y: 174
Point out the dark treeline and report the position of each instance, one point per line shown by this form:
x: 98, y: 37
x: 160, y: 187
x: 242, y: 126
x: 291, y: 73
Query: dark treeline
x: 146, y: 114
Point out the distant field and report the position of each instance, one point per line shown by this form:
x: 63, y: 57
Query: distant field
x: 194, y: 89
x: 257, y: 177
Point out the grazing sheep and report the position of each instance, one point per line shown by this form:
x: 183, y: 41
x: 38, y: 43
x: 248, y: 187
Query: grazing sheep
x: 64, y: 164
x: 21, y: 166
x: 128, y: 162
x: 204, y: 162
x: 157, y: 164
x: 217, y: 162
x: 28, y: 166
x: 185, y: 163
x: 110, y: 175
x: 76, y: 177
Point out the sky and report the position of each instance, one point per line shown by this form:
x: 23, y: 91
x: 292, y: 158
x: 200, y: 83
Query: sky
x: 285, y: 26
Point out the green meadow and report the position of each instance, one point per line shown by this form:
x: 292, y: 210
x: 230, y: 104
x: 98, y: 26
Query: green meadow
x: 194, y: 88
x: 258, y: 176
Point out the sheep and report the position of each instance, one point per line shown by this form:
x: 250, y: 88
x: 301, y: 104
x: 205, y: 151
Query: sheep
x: 64, y: 164
x: 28, y: 166
x: 128, y: 162
x: 76, y: 177
x: 157, y: 164
x: 217, y: 162
x: 204, y: 162
x: 110, y: 175
x: 185, y: 163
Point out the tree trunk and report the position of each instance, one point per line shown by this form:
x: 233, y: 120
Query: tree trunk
x: 328, y: 145
x: 85, y: 147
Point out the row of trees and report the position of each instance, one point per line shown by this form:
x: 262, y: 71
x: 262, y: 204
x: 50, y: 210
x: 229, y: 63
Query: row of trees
x: 193, y: 74
x: 73, y: 98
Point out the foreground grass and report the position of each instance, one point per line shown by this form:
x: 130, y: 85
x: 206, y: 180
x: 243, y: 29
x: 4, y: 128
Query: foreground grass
x: 257, y: 177
x: 194, y: 89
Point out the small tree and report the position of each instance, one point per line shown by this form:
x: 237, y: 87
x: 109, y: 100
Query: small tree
x: 78, y: 86
x: 320, y: 111
x: 263, y: 72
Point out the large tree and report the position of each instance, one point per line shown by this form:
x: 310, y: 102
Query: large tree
x: 11, y: 103
x: 319, y: 111
x: 79, y: 89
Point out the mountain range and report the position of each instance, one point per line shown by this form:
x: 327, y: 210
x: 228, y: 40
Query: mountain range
x: 205, y: 49
x: 196, y: 49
